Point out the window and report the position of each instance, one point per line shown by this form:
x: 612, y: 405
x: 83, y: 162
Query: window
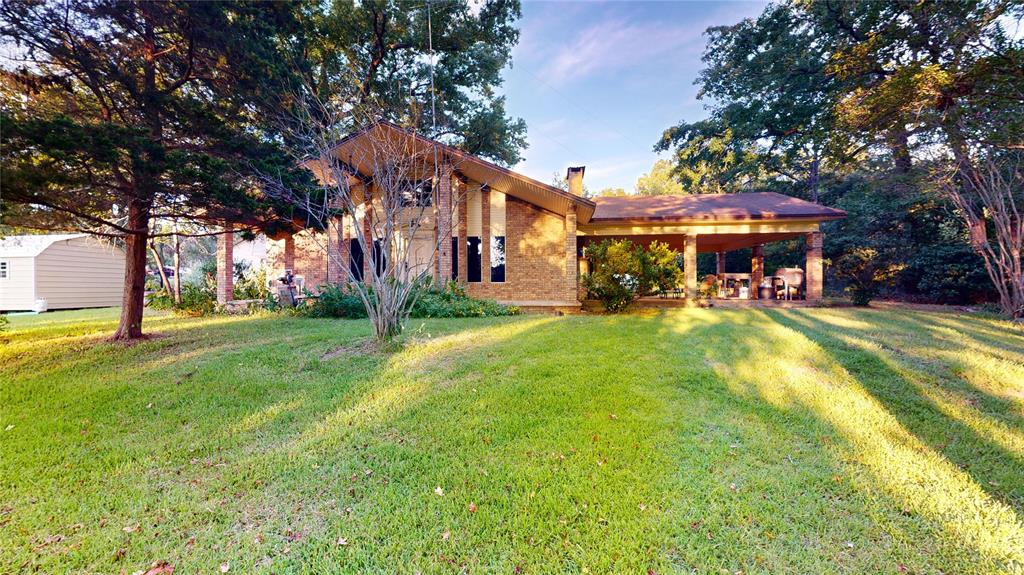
x: 473, y: 259
x: 355, y: 266
x: 378, y: 257
x: 4, y: 273
x: 455, y: 257
x: 416, y: 194
x: 498, y: 259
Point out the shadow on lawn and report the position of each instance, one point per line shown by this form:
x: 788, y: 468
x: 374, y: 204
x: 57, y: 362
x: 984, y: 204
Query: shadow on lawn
x: 896, y: 379
x: 897, y: 433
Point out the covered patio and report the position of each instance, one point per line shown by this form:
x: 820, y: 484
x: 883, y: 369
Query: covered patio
x: 717, y: 223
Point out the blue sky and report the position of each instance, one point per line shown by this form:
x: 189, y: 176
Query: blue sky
x: 597, y: 83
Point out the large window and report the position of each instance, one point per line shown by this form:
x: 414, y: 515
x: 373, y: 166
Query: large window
x: 355, y: 265
x: 498, y: 259
x: 416, y: 194
x: 4, y: 271
x: 473, y: 259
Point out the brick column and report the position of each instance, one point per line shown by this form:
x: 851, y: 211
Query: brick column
x: 720, y: 264
x: 226, y: 265
x: 335, y: 234
x: 485, y: 236
x: 443, y: 226
x: 463, y: 201
x: 814, y: 274
x: 368, y: 240
x: 289, y: 253
x: 756, y: 269
x: 345, y: 249
x: 571, y: 264
x: 690, y: 267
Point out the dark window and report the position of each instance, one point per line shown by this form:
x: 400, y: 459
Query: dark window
x: 498, y: 259
x: 355, y: 266
x: 416, y: 194
x: 473, y: 259
x: 455, y: 257
x: 378, y: 257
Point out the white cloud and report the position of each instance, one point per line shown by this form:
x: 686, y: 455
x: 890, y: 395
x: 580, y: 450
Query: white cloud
x: 616, y: 44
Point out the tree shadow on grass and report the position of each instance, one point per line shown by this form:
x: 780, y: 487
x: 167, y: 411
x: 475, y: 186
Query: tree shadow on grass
x: 892, y: 439
x: 981, y: 446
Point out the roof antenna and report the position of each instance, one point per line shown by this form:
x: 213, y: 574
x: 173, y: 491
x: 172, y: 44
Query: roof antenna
x: 433, y: 95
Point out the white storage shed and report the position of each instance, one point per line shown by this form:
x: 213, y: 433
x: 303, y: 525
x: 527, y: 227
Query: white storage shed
x: 59, y: 271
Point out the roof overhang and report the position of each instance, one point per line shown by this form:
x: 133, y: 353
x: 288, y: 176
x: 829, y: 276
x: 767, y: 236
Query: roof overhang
x: 366, y: 149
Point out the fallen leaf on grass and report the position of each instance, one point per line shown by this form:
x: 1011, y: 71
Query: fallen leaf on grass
x: 160, y: 568
x: 225, y: 567
x: 472, y: 507
x: 446, y: 535
x: 342, y: 541
x: 439, y: 491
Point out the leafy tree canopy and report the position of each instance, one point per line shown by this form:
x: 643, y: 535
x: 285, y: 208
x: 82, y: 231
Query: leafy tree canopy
x: 377, y: 53
x: 123, y: 112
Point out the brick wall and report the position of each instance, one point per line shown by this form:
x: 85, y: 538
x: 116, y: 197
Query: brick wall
x: 535, y: 257
x: 310, y: 260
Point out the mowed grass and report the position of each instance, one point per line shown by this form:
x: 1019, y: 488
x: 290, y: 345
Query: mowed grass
x: 707, y: 441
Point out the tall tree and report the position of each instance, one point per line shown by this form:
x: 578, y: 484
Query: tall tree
x: 130, y: 111
x: 660, y: 181
x: 378, y: 52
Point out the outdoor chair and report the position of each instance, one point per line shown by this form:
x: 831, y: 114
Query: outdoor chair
x: 791, y: 279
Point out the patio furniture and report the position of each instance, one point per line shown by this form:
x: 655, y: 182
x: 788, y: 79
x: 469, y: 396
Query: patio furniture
x: 792, y: 280
x: 737, y: 285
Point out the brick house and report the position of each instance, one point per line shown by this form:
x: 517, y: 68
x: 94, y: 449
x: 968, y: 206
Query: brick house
x: 511, y: 238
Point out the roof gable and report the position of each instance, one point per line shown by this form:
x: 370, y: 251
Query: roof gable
x: 353, y: 151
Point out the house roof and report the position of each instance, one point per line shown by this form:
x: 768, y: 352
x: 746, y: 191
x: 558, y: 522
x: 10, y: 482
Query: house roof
x: 354, y: 151
x: 710, y: 208
x: 31, y: 246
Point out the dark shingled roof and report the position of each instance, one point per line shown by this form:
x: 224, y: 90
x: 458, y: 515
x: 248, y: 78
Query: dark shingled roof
x: 710, y: 207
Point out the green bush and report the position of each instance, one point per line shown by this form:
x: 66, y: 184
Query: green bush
x: 431, y: 302
x: 622, y: 271
x: 335, y: 301
x: 251, y: 283
x: 452, y: 301
x: 195, y: 300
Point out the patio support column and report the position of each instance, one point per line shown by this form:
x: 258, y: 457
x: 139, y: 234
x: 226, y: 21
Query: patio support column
x: 345, y: 249
x: 226, y: 265
x: 756, y: 269
x: 720, y: 264
x: 690, y: 267
x: 570, y: 254
x: 368, y: 239
x: 485, y: 236
x: 463, y: 262
x: 815, y: 271
x: 335, y: 268
x: 443, y: 226
x: 289, y: 253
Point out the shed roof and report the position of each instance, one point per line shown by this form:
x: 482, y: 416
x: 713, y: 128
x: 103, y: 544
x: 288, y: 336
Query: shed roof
x: 710, y: 208
x: 31, y: 246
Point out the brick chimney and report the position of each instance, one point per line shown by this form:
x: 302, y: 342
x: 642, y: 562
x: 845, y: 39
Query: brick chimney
x: 574, y: 176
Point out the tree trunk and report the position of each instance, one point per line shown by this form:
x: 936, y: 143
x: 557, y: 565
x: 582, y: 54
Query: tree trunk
x: 177, y: 265
x: 160, y: 266
x: 133, y: 298
x: 813, y: 179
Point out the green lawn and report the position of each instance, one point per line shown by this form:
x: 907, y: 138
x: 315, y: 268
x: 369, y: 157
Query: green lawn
x: 710, y: 441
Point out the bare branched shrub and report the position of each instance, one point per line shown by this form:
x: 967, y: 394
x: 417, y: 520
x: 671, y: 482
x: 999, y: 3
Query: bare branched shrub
x: 989, y: 196
x: 380, y: 186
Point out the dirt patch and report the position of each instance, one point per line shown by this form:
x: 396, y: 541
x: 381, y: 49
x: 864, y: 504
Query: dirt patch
x: 361, y: 347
